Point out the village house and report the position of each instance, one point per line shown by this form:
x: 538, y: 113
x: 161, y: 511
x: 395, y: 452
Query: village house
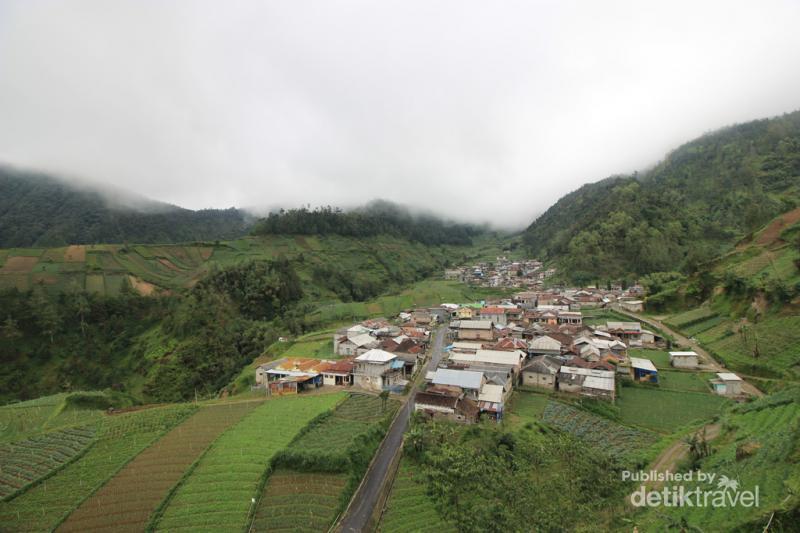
x: 337, y: 372
x: 378, y: 370
x: 587, y: 382
x: 643, y: 370
x: 683, y: 359
x: 526, y: 299
x: 468, y: 381
x: 541, y: 372
x: 289, y: 375
x: 512, y: 359
x: 727, y: 384
x: 449, y: 405
x: 476, y: 330
x: 495, y: 314
x: 631, y: 306
x: 629, y: 332
x: 465, y: 312
x: 545, y: 345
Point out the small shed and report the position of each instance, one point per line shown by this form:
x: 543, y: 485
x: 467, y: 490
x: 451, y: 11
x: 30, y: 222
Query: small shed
x: 727, y: 384
x: 683, y: 359
x: 643, y: 370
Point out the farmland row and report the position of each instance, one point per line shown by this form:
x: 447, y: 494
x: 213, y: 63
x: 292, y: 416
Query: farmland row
x: 217, y: 493
x: 120, y: 438
x: 128, y: 500
x: 409, y: 508
x: 24, y: 462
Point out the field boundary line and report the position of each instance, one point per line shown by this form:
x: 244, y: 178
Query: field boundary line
x: 25, y: 488
x: 265, y: 475
x: 114, y: 473
x: 337, y: 525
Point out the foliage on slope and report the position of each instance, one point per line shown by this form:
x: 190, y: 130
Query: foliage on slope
x: 686, y: 210
x: 39, y: 210
x: 482, y: 478
x: 377, y: 218
x: 744, y: 306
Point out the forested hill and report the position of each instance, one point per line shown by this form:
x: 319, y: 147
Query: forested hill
x: 376, y: 218
x: 698, y: 202
x: 39, y: 210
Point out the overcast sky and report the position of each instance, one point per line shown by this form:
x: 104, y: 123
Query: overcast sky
x: 474, y: 109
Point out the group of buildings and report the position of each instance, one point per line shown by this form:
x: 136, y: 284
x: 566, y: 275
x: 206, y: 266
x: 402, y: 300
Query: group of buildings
x: 502, y: 272
x: 534, y: 339
x: 376, y: 355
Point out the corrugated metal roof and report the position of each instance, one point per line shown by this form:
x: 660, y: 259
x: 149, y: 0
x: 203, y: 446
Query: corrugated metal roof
x: 460, y: 378
x: 728, y: 376
x: 375, y: 356
x: 643, y: 364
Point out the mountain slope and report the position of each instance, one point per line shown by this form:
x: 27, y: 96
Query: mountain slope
x: 39, y: 210
x: 689, y: 208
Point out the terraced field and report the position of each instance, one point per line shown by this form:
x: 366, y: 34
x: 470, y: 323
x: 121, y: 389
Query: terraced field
x: 120, y: 438
x: 216, y: 495
x: 409, y: 508
x: 686, y: 381
x: 128, y: 500
x: 758, y: 448
x: 25, y: 462
x: 598, y: 432
x: 354, y: 416
x: 21, y: 420
x: 298, y: 501
x: 665, y: 410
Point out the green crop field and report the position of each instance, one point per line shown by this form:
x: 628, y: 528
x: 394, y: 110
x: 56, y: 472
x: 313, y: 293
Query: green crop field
x: 130, y: 497
x: 658, y: 357
x: 21, y: 420
x: 119, y: 439
x: 690, y: 317
x: 600, y: 433
x: 409, y: 508
x: 777, y: 338
x: 686, y: 381
x: 525, y: 407
x: 315, y: 349
x: 27, y: 461
x: 217, y: 493
x: 354, y: 416
x: 663, y: 410
x: 299, y: 501
x: 757, y: 448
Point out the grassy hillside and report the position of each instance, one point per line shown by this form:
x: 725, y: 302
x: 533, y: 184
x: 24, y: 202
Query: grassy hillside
x: 744, y: 306
x: 689, y: 208
x: 759, y: 447
x: 103, y: 268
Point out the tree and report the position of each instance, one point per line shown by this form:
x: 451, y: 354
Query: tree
x: 10, y: 329
x: 47, y: 317
x: 82, y: 308
x: 384, y: 396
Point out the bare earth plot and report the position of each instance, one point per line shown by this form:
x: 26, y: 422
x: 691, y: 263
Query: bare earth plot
x: 126, y: 502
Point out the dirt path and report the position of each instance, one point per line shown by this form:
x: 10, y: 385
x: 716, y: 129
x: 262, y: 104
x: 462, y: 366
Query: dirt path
x: 679, y: 450
x: 710, y: 363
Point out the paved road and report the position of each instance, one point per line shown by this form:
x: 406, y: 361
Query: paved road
x: 360, y: 511
x: 711, y: 363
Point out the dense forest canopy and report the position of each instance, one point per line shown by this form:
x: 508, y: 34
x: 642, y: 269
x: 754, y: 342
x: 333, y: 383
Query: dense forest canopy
x: 175, y: 346
x: 39, y: 210
x: 695, y: 204
x: 377, y: 218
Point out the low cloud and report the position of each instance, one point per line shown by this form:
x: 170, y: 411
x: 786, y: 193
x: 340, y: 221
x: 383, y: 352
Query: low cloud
x: 473, y: 110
